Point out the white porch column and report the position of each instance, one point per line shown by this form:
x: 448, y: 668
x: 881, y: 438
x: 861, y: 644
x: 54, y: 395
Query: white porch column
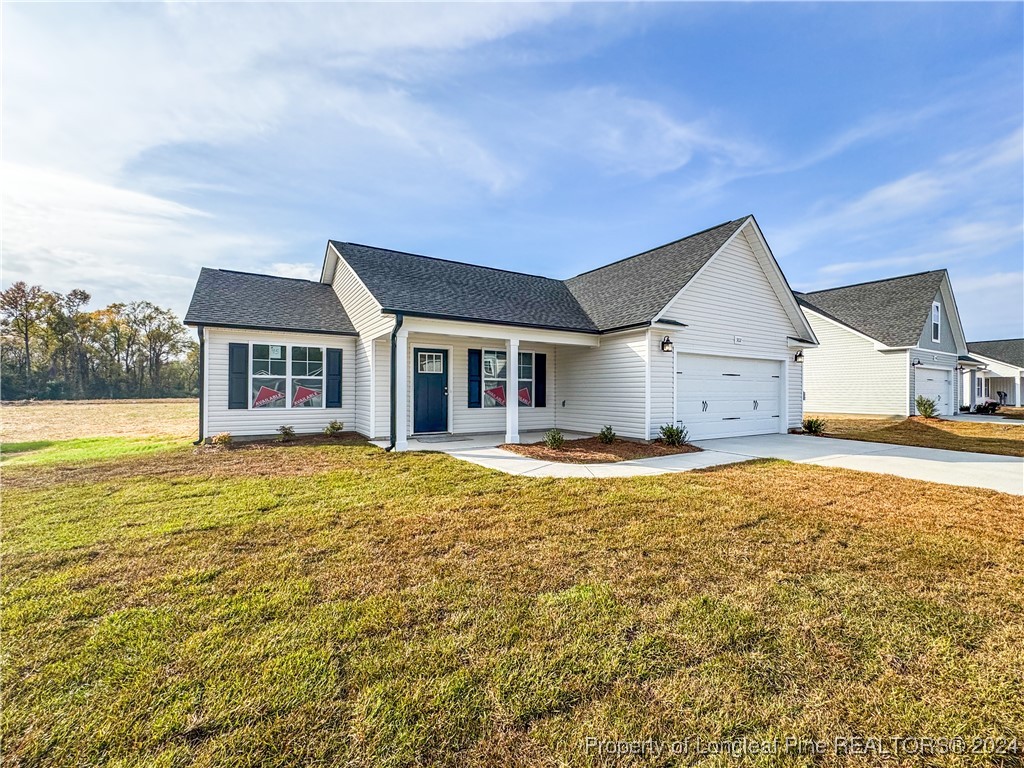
x: 512, y: 391
x: 401, y: 374
x: 974, y: 388
x: 1016, y: 390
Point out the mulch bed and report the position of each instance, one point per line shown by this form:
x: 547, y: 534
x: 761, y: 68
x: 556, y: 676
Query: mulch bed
x: 590, y: 450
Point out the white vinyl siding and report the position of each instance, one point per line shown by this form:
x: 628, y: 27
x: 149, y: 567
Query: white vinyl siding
x: 260, y: 421
x: 466, y: 420
x: 795, y: 390
x: 846, y: 374
x: 730, y: 308
x: 364, y: 312
x: 382, y: 388
x: 603, y: 385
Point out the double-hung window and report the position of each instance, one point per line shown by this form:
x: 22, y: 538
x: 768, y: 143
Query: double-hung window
x: 936, y: 321
x: 495, y: 379
x: 286, y: 377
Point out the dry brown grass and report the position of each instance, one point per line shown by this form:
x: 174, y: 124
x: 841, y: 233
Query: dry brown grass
x: 978, y: 437
x: 404, y: 610
x: 69, y: 419
x: 590, y: 450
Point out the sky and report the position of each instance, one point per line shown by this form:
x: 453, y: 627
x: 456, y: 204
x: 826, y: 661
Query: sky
x: 142, y: 142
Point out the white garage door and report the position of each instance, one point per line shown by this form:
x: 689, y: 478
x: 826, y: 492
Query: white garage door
x: 728, y: 396
x: 937, y: 385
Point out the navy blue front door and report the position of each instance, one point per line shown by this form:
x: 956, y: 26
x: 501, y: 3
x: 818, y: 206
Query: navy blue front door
x: 430, y: 390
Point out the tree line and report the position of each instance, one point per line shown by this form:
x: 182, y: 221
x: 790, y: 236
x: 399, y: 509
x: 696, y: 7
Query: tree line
x: 52, y: 347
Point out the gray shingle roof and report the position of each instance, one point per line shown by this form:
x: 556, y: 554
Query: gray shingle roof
x: 1005, y: 350
x: 405, y: 282
x: 635, y: 290
x: 892, y: 311
x: 628, y: 292
x: 245, y: 300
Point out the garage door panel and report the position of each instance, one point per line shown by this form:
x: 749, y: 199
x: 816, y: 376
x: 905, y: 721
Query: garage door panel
x: 723, y: 397
x: 937, y: 385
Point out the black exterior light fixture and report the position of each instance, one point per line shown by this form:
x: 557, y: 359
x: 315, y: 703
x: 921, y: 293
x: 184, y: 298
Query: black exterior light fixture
x: 915, y: 364
x: 666, y: 344
x: 798, y: 357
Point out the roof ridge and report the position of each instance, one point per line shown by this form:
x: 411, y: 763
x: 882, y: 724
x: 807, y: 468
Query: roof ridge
x: 871, y: 282
x: 449, y: 261
x: 990, y: 341
x: 657, y: 247
x: 264, y: 274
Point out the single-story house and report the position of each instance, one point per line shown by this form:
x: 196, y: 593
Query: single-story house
x: 703, y: 332
x: 883, y: 343
x: 1003, y: 372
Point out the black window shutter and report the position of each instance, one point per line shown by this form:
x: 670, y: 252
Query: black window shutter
x: 238, y: 375
x: 332, y: 396
x: 475, y: 384
x: 540, y: 383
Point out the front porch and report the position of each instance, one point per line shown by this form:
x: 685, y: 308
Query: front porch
x: 463, y: 385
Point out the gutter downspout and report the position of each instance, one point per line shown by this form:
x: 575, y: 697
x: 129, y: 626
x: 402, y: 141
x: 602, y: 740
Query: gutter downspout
x: 202, y: 382
x: 399, y: 319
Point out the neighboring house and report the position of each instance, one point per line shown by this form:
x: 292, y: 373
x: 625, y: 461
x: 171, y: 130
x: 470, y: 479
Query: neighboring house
x: 701, y: 332
x: 1003, y: 372
x: 882, y: 344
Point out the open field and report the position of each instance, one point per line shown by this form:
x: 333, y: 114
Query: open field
x: 978, y: 437
x: 333, y: 604
x: 79, y: 430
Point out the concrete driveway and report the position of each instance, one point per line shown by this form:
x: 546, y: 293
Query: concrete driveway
x: 977, y: 470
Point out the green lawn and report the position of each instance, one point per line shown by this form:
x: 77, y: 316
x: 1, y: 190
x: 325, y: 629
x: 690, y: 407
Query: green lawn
x: 336, y: 605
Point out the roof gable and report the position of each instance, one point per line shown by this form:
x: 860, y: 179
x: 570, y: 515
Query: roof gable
x: 422, y: 285
x: 1009, y: 351
x: 893, y: 311
x: 636, y: 290
x: 246, y: 300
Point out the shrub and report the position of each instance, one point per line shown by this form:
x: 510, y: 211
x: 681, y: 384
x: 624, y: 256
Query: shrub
x: 672, y: 435
x: 287, y: 433
x: 925, y: 407
x: 814, y: 426
x: 554, y: 438
x: 335, y: 428
x: 607, y: 434
x: 223, y: 439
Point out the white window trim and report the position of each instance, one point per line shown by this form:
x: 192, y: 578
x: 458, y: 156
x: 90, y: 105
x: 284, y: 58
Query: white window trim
x: 936, y: 322
x: 484, y: 379
x: 288, y: 377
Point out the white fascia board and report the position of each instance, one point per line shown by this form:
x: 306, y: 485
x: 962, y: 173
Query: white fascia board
x: 338, y: 256
x: 797, y: 344
x: 504, y: 332
x: 329, y: 265
x: 997, y: 365
x: 958, y: 330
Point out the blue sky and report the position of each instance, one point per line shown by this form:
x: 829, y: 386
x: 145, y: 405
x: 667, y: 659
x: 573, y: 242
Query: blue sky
x: 144, y: 141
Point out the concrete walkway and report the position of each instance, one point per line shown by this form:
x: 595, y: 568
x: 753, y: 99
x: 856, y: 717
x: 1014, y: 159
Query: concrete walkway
x: 984, y: 418
x: 977, y: 470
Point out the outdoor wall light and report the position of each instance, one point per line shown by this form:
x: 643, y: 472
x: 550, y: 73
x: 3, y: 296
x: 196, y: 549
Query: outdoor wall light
x: 666, y: 344
x: 915, y: 364
x: 798, y: 357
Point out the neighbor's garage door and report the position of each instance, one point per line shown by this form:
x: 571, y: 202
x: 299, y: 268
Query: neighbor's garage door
x: 937, y: 385
x: 728, y: 396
